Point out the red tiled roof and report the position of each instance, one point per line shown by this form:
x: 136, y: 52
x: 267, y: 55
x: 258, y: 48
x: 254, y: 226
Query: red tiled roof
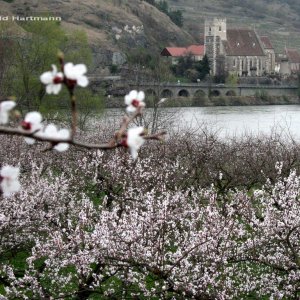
x: 293, y: 55
x: 242, y: 42
x: 197, y: 50
x: 266, y: 42
x: 174, y: 51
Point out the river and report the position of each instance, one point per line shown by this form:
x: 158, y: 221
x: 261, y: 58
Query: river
x: 233, y: 121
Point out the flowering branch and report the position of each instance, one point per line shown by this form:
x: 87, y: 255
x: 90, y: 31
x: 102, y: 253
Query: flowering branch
x: 70, y: 76
x: 54, y: 141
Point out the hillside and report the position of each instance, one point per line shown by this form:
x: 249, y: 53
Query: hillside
x: 279, y: 19
x: 112, y: 26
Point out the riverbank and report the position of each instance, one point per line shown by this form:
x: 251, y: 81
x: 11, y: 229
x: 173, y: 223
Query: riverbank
x: 212, y: 101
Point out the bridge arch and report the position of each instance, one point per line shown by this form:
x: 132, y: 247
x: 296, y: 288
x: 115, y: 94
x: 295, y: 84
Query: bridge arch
x: 199, y: 94
x: 199, y: 98
x: 166, y: 93
x: 183, y: 93
x: 215, y: 93
x: 230, y: 93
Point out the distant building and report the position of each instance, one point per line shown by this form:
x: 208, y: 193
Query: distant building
x: 237, y: 51
x: 270, y: 52
x: 195, y: 51
x: 288, y: 63
x: 215, y: 33
x: 293, y: 57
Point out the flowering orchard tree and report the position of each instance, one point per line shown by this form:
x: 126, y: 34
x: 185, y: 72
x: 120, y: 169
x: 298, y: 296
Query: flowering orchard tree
x: 134, y: 237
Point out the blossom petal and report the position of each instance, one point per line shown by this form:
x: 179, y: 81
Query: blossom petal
x: 61, y: 147
x: 134, y: 153
x: 54, y: 70
x: 130, y: 108
x: 128, y: 100
x: 133, y: 94
x: 82, y: 81
x: 33, y: 117
x: 10, y: 182
x: 64, y: 134
x: 56, y: 88
x: 8, y: 171
x: 10, y: 187
x: 7, y: 105
x: 80, y: 69
x: 135, y: 140
x: 29, y: 141
x: 141, y: 96
x: 51, y: 131
x: 68, y: 70
x: 49, y: 88
x: 47, y: 78
x: 3, y: 117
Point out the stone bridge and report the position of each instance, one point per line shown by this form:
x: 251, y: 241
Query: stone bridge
x: 175, y: 90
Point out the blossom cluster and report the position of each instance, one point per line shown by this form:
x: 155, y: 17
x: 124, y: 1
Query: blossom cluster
x: 71, y: 75
x: 34, y: 129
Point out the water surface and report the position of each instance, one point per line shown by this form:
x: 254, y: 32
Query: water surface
x: 232, y: 121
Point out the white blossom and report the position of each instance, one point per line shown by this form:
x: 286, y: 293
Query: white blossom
x: 32, y: 123
x: 134, y: 140
x: 76, y: 73
x: 53, y: 80
x: 134, y: 100
x: 9, y: 177
x: 51, y: 131
x: 5, y: 107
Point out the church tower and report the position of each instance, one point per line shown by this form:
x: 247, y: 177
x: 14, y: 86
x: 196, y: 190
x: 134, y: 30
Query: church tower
x: 214, y: 33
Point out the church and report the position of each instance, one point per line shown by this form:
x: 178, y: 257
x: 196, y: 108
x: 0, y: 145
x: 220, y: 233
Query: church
x: 237, y: 51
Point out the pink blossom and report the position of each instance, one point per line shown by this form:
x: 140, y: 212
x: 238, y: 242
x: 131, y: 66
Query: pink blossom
x: 9, y: 180
x: 5, y: 107
x: 134, y: 100
x: 53, y: 80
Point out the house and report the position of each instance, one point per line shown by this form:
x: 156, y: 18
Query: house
x: 195, y: 51
x: 288, y: 62
x: 293, y: 57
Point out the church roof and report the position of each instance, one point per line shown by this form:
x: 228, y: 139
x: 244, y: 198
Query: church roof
x: 242, y: 42
x: 266, y: 42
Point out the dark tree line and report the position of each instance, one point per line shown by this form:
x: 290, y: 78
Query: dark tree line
x: 174, y: 15
x: 193, y: 70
